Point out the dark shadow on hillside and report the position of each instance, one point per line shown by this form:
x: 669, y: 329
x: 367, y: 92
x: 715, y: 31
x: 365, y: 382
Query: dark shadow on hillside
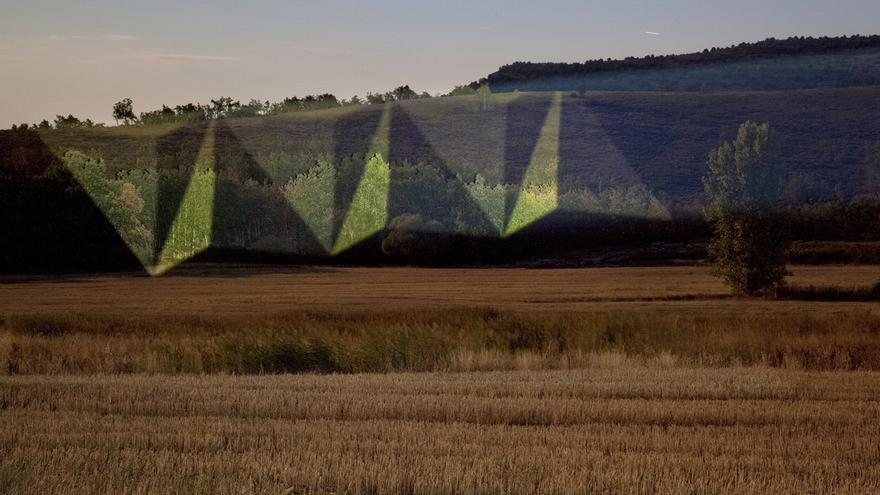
x: 24, y: 154
x: 231, y: 159
x: 353, y: 134
x: 628, y: 147
x: 666, y: 138
x: 526, y: 116
x: 587, y: 156
x: 246, y: 215
x: 49, y: 223
x: 444, y: 198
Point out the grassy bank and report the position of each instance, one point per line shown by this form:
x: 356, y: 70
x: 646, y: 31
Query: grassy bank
x: 457, y: 339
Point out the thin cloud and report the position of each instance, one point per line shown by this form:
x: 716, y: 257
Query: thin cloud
x: 652, y: 33
x: 327, y: 50
x: 118, y: 37
x: 185, y: 57
x: 103, y: 37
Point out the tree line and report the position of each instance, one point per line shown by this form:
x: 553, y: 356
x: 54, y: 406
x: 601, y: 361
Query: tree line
x: 227, y: 107
x: 769, y: 48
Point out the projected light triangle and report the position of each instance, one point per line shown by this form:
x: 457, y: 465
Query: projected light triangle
x: 538, y: 192
x: 190, y: 232
x: 368, y: 212
x: 177, y: 152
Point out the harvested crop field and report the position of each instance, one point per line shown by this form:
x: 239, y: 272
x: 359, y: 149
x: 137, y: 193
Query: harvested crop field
x: 615, y: 428
x: 322, y: 380
x: 220, y: 290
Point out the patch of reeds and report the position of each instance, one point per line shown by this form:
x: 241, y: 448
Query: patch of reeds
x: 457, y: 340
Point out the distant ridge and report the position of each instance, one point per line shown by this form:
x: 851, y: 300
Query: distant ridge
x: 523, y: 72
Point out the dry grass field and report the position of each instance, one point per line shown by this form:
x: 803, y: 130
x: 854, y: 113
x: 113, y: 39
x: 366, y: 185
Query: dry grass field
x: 220, y: 290
x: 612, y: 429
x: 642, y: 380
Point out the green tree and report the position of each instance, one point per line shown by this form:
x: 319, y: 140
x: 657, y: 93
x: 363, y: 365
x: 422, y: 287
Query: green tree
x: 120, y: 201
x: 124, y: 110
x: 163, y: 116
x: 402, y: 93
x: 311, y: 196
x: 223, y: 106
x: 253, y: 108
x: 62, y: 122
x: 744, y: 189
x: 375, y: 98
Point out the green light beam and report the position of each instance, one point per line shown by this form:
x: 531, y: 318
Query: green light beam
x: 190, y: 232
x: 539, y: 192
x: 368, y: 212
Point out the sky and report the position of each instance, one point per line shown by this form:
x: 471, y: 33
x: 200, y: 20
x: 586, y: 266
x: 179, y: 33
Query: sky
x: 62, y: 57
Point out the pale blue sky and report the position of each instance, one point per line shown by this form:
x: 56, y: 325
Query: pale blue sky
x: 81, y: 57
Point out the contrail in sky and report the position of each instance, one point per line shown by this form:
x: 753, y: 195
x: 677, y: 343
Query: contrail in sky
x: 652, y: 33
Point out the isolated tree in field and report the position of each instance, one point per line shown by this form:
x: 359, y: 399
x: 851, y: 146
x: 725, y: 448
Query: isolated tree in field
x: 744, y: 188
x: 123, y: 110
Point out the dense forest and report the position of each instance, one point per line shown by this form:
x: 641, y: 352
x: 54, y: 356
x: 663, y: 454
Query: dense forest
x: 793, y: 63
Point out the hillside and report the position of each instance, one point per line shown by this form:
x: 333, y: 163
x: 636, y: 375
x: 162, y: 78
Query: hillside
x: 341, y: 181
x: 790, y: 64
x: 606, y: 139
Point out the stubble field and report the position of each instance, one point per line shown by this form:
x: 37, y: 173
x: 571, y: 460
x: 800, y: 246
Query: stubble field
x: 647, y: 380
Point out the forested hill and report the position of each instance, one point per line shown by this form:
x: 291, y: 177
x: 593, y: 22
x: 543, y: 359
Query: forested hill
x: 772, y: 64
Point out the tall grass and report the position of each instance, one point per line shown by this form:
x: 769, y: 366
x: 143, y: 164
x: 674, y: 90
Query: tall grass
x: 441, y: 340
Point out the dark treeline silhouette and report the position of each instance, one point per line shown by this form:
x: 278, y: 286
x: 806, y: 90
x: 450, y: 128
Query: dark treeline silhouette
x: 769, y: 48
x: 60, y: 122
x: 226, y: 107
